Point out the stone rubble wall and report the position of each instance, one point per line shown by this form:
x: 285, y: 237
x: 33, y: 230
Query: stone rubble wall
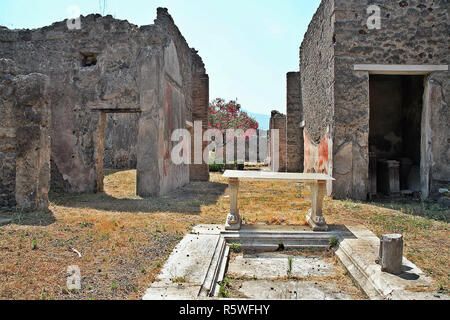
x: 317, y: 73
x: 336, y: 98
x: 24, y: 139
x: 412, y: 32
x: 109, y: 66
x: 317, y: 90
x: 294, y: 132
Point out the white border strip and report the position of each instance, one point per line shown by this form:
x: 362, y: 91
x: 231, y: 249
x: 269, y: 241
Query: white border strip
x: 399, y: 68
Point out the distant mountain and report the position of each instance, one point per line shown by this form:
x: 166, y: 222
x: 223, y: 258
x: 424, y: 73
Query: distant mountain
x: 262, y: 119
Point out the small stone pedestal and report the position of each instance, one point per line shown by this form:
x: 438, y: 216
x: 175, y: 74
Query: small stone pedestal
x: 233, y: 219
x: 391, y: 253
x: 389, y: 177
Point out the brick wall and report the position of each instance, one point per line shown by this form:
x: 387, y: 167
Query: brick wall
x: 278, y: 122
x: 200, y: 102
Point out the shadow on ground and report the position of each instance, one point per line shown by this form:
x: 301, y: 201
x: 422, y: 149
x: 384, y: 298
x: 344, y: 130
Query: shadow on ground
x: 429, y: 210
x: 26, y: 218
x: 186, y: 200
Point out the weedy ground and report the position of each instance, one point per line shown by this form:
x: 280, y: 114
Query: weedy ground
x: 124, y: 240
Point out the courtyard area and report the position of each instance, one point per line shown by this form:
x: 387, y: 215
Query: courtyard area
x: 121, y: 241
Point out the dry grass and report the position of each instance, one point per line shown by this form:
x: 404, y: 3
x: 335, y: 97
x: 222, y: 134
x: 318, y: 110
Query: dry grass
x: 125, y: 239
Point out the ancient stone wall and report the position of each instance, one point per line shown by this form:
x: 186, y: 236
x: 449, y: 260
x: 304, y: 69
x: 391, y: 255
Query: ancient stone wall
x: 24, y: 139
x: 336, y: 98
x: 200, y: 102
x: 278, y: 122
x: 317, y: 84
x: 110, y: 66
x: 294, y: 131
x: 412, y: 33
x: 317, y: 73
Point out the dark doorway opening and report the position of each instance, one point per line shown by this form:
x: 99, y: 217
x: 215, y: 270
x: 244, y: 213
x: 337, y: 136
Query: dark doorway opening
x: 396, y: 103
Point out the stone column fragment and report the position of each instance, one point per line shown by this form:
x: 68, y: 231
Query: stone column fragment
x: 391, y: 253
x: 294, y: 131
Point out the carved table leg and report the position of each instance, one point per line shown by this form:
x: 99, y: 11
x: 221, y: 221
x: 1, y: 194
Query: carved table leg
x: 315, y: 218
x: 234, y: 219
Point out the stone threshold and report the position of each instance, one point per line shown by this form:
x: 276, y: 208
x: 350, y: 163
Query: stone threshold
x: 199, y: 262
x: 271, y: 238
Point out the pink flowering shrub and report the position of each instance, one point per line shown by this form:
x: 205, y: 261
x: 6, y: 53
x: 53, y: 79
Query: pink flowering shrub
x: 229, y: 115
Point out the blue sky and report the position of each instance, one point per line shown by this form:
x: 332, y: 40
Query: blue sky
x: 247, y: 45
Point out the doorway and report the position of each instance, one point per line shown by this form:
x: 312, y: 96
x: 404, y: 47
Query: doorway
x: 116, y: 149
x: 395, y: 133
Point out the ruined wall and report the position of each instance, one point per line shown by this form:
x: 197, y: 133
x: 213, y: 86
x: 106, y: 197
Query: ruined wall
x: 77, y: 86
x: 412, y: 32
x: 110, y: 66
x: 317, y: 73
x: 317, y: 84
x: 166, y: 84
x: 121, y: 141
x: 24, y: 139
x: 294, y: 132
x: 278, y: 122
x: 200, y: 102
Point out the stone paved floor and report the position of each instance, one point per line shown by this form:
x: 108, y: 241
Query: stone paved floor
x: 309, y: 276
x: 201, y: 261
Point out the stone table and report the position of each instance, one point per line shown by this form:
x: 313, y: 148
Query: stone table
x: 316, y: 181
